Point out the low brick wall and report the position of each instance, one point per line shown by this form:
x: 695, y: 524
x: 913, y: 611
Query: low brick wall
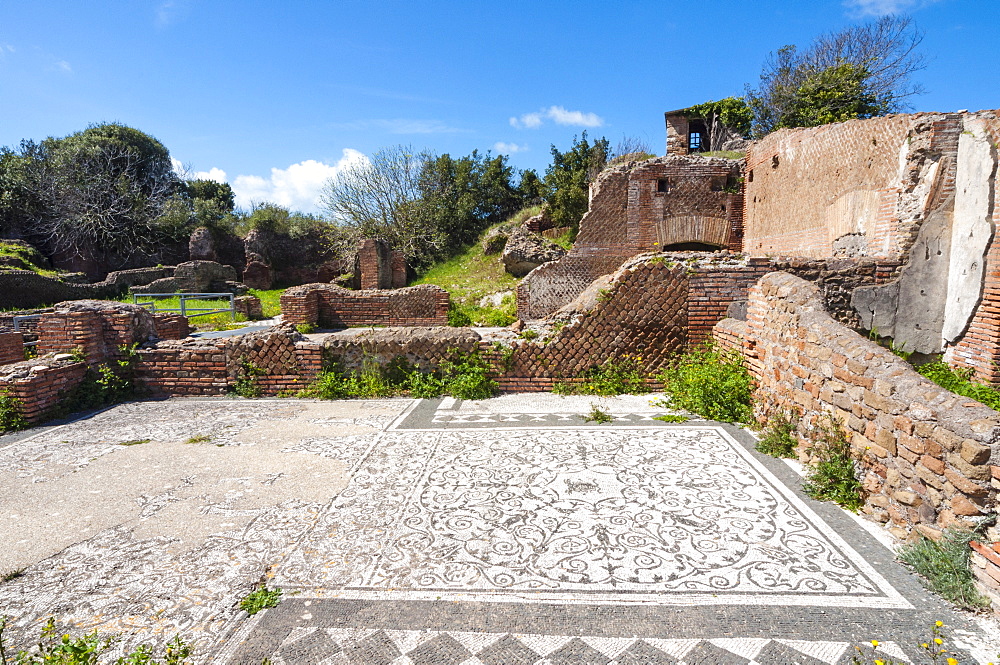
x: 97, y: 327
x: 11, y: 347
x: 985, y: 565
x: 39, y: 385
x: 928, y: 458
x: 332, y: 306
x: 171, y: 326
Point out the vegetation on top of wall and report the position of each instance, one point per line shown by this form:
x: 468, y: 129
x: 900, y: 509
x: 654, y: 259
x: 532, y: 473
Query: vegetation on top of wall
x: 732, y: 111
x: 710, y: 382
x: 959, y: 381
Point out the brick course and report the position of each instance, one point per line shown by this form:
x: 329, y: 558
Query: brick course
x: 331, y: 306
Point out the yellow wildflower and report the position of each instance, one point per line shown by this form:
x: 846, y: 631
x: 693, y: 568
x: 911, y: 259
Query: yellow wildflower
x: 875, y: 643
x: 938, y: 624
x: 938, y: 640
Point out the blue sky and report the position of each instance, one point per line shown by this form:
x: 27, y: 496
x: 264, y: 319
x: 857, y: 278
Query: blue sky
x: 275, y: 96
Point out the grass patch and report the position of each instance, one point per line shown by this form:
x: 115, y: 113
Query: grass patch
x: 469, y: 276
x: 619, y: 375
x: 671, y: 418
x: 778, y: 440
x: 598, y: 416
x: 200, y: 438
x: 832, y: 475
x: 259, y: 599
x: 959, y: 381
x: 710, y: 382
x: 134, y: 442
x: 725, y: 154
x: 944, y: 565
x: 270, y: 301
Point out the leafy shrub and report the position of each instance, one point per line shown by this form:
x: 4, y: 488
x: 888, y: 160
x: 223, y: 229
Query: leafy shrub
x: 778, y: 440
x: 598, y: 416
x: 959, y: 381
x: 10, y: 414
x: 307, y: 328
x: 424, y: 386
x: 458, y: 317
x: 467, y: 376
x: 944, y: 565
x: 832, y: 475
x: 671, y: 418
x: 87, y: 649
x: 615, y: 376
x: 709, y: 382
x: 107, y: 383
x: 245, y: 384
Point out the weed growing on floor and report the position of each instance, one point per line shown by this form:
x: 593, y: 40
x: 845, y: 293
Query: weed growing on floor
x: 778, y: 440
x: 528, y: 334
x: 710, y: 382
x: 54, y: 648
x: 671, y: 418
x: 134, y: 442
x: 618, y: 375
x: 10, y: 414
x: 832, y: 474
x: 259, y: 599
x: 598, y: 416
x: 933, y: 652
x: 12, y: 575
x: 944, y: 566
x: 307, y: 328
x: 246, y: 382
x: 200, y: 438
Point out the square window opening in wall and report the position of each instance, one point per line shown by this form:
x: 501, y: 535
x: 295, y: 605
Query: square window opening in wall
x: 662, y: 186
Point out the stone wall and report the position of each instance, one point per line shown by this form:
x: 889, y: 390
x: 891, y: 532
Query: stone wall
x: 928, y: 458
x: 641, y: 207
x: 26, y: 289
x: 331, y: 306
x: 97, y: 328
x: 39, y: 385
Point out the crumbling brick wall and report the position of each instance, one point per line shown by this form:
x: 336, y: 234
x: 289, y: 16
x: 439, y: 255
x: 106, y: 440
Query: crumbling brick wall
x: 859, y: 187
x: 926, y: 456
x: 97, y: 327
x: 38, y: 385
x: 641, y: 207
x: 332, y: 306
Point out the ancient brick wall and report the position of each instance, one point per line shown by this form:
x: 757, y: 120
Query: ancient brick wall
x: 635, y: 208
x: 331, y: 306
x: 38, y: 385
x: 928, y: 458
x: 171, y: 326
x: 856, y: 187
x: 11, y: 347
x: 97, y: 327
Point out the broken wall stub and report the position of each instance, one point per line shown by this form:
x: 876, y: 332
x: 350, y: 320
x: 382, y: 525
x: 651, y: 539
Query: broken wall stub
x: 332, y: 306
x: 928, y: 458
x: 662, y: 203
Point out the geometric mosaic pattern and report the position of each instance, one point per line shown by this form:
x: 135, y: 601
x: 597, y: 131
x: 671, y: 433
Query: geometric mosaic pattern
x: 312, y: 646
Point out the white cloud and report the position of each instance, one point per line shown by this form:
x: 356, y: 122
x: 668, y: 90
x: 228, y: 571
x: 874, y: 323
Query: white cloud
x: 298, y: 187
x: 527, y: 121
x: 216, y: 174
x: 558, y: 115
x: 883, y: 7
x: 563, y: 117
x: 170, y: 12
x: 63, y: 66
x: 508, y: 148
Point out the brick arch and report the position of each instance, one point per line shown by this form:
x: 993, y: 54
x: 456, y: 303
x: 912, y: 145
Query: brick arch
x: 693, y: 228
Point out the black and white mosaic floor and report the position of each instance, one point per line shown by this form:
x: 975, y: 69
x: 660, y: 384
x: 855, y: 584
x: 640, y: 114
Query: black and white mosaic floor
x: 504, y: 531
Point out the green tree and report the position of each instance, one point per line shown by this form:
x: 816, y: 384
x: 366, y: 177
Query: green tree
x: 219, y: 193
x: 859, y: 72
x: 97, y: 191
x: 568, y: 177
